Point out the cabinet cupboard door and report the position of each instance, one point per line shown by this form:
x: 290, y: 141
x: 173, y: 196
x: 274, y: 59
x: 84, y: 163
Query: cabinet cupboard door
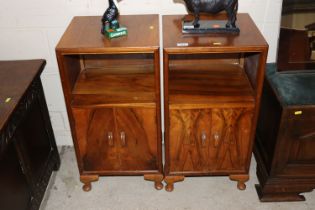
x: 137, y: 134
x: 117, y: 139
x: 209, y: 140
x: 95, y: 137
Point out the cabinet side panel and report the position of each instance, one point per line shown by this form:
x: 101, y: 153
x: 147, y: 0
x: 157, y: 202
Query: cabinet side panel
x: 71, y: 67
x: 251, y: 65
x: 81, y: 119
x: 268, y: 125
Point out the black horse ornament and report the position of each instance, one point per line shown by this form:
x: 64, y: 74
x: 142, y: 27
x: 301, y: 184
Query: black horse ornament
x: 212, y: 7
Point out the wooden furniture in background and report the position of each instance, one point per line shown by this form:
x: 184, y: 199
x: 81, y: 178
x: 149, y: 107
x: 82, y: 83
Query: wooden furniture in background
x: 295, y: 6
x: 294, y: 51
x: 28, y: 152
x: 212, y: 88
x: 112, y: 93
x: 296, y: 40
x: 285, y: 139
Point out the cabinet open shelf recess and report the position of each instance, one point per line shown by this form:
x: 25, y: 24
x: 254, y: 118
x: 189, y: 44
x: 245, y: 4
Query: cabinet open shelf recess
x: 114, y: 80
x: 209, y: 84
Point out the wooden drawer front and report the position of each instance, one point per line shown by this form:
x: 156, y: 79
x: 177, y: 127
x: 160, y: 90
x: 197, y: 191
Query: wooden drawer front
x: 116, y: 139
x: 209, y: 140
x: 298, y: 158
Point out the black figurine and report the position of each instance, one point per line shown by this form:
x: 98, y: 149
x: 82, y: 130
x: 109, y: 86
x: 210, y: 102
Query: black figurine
x: 109, y: 20
x: 213, y: 7
x: 110, y: 25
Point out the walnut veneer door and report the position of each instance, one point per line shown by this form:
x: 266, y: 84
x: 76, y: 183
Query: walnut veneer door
x: 137, y: 134
x: 295, y: 154
x: 209, y: 140
x: 95, y: 130
x: 117, y: 139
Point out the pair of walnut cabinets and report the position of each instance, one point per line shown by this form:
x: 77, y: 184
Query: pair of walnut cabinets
x: 212, y: 87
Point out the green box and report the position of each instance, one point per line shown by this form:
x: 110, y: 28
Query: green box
x: 118, y: 32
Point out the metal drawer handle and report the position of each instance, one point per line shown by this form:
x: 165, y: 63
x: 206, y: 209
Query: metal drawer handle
x: 110, y: 138
x: 123, y: 138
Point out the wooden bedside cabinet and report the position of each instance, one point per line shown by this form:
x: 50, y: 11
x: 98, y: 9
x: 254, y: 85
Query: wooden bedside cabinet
x: 212, y: 88
x: 112, y: 93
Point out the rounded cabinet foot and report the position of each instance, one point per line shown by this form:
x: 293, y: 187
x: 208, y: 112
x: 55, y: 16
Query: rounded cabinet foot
x: 158, y: 185
x: 86, y: 180
x: 170, y: 180
x: 241, y: 179
x: 169, y: 187
x: 87, y: 187
x: 156, y: 178
x: 241, y: 185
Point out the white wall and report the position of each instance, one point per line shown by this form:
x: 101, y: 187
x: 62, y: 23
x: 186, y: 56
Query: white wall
x: 31, y: 29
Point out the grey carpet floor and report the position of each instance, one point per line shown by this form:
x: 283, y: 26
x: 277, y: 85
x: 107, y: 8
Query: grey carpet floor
x: 132, y: 192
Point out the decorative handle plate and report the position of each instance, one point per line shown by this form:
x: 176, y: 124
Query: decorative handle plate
x: 203, y: 138
x: 110, y: 138
x: 216, y: 139
x: 123, y: 138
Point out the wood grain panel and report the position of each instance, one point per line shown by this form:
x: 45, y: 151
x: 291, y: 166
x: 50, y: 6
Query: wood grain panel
x: 117, y: 139
x: 209, y: 140
x: 139, y: 151
x: 83, y: 35
x: 219, y: 84
x: 119, y: 63
x: 93, y: 128
x: 96, y: 87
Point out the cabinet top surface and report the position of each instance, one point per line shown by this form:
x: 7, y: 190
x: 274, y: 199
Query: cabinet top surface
x: 83, y: 35
x: 249, y: 38
x: 15, y: 78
